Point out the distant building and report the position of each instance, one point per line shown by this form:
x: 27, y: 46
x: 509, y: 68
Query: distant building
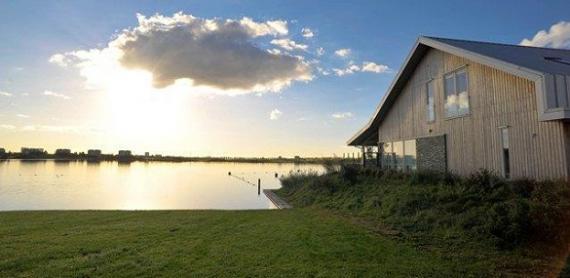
x: 125, y: 156
x: 147, y: 154
x: 32, y: 152
x: 95, y: 153
x: 63, y: 152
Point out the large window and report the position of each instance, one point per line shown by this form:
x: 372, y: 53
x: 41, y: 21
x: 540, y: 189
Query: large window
x: 387, y: 159
x: 410, y: 155
x: 399, y: 154
x: 430, y: 102
x: 456, y: 94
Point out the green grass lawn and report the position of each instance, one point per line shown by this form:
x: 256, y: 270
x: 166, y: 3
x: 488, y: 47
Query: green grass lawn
x: 278, y: 243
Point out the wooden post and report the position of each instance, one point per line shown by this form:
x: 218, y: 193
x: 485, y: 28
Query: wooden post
x: 378, y: 156
x: 364, y: 156
x: 258, y: 186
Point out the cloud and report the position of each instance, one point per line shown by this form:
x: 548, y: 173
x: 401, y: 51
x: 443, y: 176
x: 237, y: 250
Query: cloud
x: 323, y: 71
x: 6, y: 126
x: 275, y: 114
x: 557, y: 37
x: 365, y: 67
x: 342, y: 115
x: 210, y: 55
x: 275, y: 51
x: 343, y: 52
x: 257, y: 29
x: 348, y: 70
x: 307, y: 33
x: 59, y: 59
x: 52, y: 94
x: 320, y: 51
x: 23, y: 116
x: 373, y: 67
x: 58, y: 129
x: 6, y: 94
x: 288, y: 44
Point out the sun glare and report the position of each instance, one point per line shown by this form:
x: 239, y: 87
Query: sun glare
x: 140, y: 112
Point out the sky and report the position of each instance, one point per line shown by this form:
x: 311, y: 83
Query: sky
x: 226, y: 78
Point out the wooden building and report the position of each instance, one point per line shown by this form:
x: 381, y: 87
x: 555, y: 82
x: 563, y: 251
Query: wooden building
x: 462, y: 106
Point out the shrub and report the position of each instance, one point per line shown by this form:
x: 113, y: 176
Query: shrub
x: 509, y: 222
x: 426, y: 178
x: 349, y: 172
x: 484, y: 180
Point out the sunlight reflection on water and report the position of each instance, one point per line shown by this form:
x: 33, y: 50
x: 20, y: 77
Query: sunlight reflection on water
x: 50, y: 185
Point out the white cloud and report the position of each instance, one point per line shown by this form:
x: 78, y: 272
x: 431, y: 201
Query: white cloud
x: 342, y: 115
x: 6, y: 126
x: 6, y: 94
x: 320, y: 51
x: 307, y: 33
x: 348, y: 70
x: 373, y: 67
x: 365, y: 67
x: 343, y: 52
x: 201, y: 55
x: 52, y: 94
x: 557, y: 37
x: 289, y: 44
x: 275, y: 114
x: 60, y: 60
x: 257, y: 29
x: 23, y: 116
x: 323, y: 71
x: 275, y: 51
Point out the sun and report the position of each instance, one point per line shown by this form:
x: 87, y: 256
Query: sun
x: 140, y: 112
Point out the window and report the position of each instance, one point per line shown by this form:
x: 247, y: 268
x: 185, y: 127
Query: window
x: 505, y: 152
x: 399, y: 155
x: 387, y: 156
x: 398, y: 149
x: 430, y: 102
x: 410, y: 155
x: 456, y: 94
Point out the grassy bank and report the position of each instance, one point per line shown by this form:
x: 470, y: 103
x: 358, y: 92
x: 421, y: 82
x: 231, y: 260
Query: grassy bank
x: 514, y: 227
x: 285, y: 243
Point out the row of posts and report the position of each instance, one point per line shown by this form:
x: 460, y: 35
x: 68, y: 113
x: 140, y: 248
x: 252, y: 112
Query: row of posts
x: 258, y: 183
x: 350, y: 155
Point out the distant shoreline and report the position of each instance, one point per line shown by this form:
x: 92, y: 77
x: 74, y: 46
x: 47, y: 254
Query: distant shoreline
x: 113, y: 158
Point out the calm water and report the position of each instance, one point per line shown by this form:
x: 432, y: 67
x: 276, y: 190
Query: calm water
x: 49, y: 185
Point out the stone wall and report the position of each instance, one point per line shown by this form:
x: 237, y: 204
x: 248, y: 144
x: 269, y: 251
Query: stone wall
x: 432, y: 153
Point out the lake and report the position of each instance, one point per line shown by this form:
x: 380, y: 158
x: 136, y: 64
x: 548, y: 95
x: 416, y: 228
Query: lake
x: 79, y: 185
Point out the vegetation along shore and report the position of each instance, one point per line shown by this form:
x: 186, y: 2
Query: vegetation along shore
x: 514, y: 228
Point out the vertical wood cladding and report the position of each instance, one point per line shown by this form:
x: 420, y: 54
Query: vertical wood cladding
x: 496, y: 99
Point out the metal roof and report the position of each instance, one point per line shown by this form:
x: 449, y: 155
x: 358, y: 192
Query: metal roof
x: 533, y: 63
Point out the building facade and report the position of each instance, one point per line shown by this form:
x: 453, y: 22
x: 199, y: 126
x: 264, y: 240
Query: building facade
x: 462, y: 106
